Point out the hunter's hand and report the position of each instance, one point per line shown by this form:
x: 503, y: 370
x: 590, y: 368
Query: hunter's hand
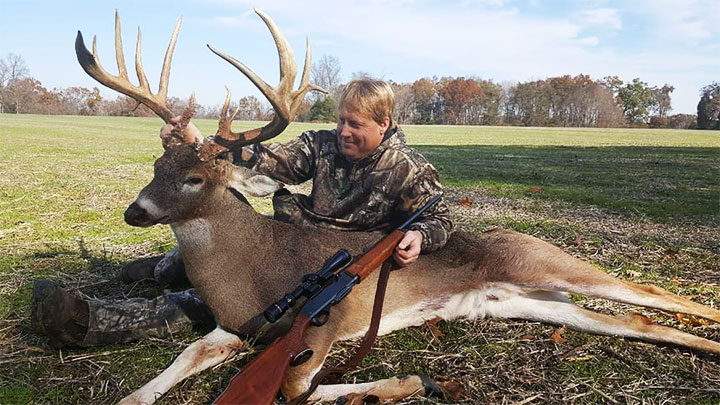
x: 408, y: 250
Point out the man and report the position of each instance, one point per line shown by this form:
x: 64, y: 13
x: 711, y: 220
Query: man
x: 364, y: 178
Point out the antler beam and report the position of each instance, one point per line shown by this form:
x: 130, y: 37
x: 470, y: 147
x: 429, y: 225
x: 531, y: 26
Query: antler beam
x: 121, y: 83
x: 283, y: 99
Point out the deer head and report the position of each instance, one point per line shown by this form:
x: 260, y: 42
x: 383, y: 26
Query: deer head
x: 194, y: 169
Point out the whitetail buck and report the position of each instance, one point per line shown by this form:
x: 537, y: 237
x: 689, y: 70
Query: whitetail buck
x: 241, y: 261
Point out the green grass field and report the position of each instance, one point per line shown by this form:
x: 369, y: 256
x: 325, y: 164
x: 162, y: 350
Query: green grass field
x: 640, y: 204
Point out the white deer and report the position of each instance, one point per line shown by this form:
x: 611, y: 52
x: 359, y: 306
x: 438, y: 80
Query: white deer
x: 241, y: 261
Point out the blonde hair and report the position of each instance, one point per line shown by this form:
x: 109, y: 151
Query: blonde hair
x: 372, y: 98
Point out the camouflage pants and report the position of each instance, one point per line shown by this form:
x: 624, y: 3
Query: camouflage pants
x: 137, y: 318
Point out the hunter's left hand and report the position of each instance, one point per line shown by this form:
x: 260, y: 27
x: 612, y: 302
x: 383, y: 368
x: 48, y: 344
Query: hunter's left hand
x: 408, y: 250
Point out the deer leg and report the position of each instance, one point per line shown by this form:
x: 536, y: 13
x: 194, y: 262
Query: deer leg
x: 546, y: 267
x: 298, y: 379
x: 552, y: 307
x: 389, y: 389
x: 212, y: 349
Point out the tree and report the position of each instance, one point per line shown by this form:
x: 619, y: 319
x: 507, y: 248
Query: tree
x: 662, y: 104
x: 638, y: 100
x: 249, y: 109
x: 708, y: 109
x: 426, y: 100
x: 324, y: 110
x: 12, y: 68
x: 80, y: 101
x: 326, y: 74
x: 682, y: 121
x: 404, y: 103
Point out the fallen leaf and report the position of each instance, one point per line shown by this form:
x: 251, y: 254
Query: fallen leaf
x: 534, y: 189
x: 691, y: 320
x: 452, y: 389
x: 432, y: 325
x: 633, y: 273
x: 557, y: 336
x: 527, y: 337
x: 465, y: 202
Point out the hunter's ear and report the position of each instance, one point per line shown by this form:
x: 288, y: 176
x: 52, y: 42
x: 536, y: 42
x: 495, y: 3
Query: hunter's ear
x: 249, y: 182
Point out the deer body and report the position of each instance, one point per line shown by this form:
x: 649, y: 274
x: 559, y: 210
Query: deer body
x: 241, y: 261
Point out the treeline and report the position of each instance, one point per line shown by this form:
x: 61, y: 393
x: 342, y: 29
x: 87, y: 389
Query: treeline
x: 565, y: 101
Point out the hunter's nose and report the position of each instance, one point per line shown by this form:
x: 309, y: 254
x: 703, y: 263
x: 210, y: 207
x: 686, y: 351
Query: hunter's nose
x: 136, y: 215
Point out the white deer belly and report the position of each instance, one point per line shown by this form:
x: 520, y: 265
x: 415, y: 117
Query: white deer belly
x: 472, y: 304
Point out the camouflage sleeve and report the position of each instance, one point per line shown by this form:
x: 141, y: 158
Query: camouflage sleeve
x: 291, y: 163
x: 435, y: 224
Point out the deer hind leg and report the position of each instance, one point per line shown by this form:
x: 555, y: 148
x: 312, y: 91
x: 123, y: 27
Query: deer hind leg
x: 552, y: 307
x: 545, y: 267
x: 212, y: 349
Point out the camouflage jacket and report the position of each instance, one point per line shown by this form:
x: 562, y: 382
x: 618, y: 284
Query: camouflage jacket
x: 377, y: 192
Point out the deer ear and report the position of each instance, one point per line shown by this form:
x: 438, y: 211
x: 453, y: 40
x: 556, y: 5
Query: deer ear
x: 249, y: 182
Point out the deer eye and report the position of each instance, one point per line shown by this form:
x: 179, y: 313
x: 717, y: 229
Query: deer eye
x: 194, y: 181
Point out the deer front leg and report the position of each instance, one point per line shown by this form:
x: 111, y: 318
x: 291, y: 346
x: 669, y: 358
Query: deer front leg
x: 320, y: 340
x: 212, y: 349
x: 389, y: 389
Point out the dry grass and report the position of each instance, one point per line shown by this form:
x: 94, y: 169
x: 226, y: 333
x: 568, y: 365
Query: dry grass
x: 67, y: 225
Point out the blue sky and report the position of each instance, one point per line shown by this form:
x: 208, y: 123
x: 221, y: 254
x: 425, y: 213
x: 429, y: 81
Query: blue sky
x: 660, y: 41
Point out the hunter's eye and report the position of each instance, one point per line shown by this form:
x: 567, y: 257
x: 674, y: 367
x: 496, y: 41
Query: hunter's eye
x: 194, y: 181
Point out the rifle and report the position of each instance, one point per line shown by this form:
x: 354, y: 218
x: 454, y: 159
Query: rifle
x: 259, y: 381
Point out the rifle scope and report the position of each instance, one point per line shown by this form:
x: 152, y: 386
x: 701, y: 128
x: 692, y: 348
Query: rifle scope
x: 311, y: 284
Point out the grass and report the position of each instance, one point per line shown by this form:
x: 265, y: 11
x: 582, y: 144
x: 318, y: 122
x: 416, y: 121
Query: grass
x: 640, y: 204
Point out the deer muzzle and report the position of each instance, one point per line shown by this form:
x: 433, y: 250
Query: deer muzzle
x: 135, y: 215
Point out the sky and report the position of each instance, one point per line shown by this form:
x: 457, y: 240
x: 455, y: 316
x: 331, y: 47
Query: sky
x: 660, y: 41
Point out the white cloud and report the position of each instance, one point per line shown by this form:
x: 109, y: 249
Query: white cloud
x: 680, y: 20
x: 496, y: 39
x: 603, y: 17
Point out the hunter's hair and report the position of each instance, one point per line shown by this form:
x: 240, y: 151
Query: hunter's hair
x: 372, y: 98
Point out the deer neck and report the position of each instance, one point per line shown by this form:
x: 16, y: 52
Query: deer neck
x: 227, y: 228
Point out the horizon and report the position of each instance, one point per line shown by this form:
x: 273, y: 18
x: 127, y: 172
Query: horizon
x: 661, y: 42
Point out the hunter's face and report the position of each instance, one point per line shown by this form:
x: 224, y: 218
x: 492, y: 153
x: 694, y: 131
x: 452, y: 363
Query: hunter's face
x: 359, y: 135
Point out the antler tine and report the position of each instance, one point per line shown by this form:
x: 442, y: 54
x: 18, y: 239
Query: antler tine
x: 225, y: 121
x: 119, y: 55
x: 142, y: 93
x: 283, y: 99
x: 142, y: 79
x: 286, y: 56
x: 305, y: 84
x: 165, y: 74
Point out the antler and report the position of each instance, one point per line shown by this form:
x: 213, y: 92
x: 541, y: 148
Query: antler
x: 142, y: 93
x: 283, y: 99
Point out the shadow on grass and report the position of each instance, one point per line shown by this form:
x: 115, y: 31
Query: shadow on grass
x: 95, y: 274
x: 662, y: 183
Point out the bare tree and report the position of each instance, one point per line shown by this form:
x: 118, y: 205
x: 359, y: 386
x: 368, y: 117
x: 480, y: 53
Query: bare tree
x: 326, y: 74
x: 12, y: 68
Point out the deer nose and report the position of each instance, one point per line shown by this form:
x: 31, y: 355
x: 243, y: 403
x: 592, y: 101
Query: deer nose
x: 136, y: 215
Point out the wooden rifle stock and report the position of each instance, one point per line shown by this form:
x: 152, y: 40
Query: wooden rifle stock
x: 375, y: 257
x: 260, y: 380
